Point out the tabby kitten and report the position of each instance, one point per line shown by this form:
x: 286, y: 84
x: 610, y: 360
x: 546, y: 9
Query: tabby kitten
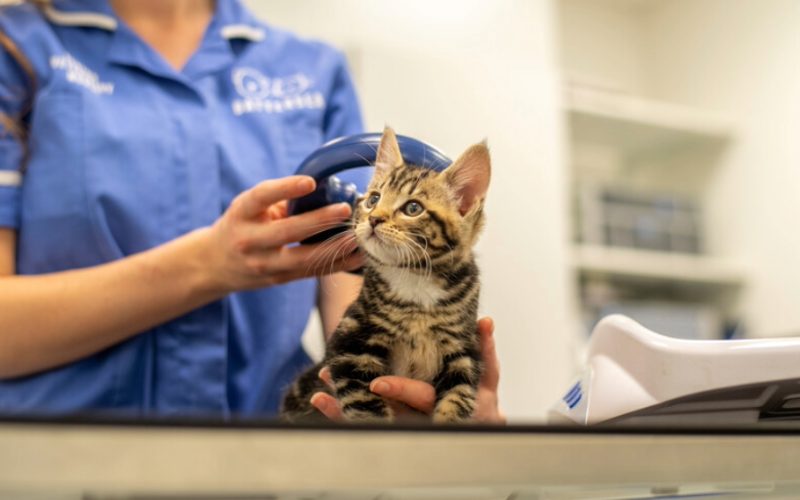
x: 417, y: 311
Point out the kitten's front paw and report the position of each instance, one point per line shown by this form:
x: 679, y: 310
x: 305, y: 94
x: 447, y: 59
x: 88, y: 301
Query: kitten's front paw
x: 452, y: 410
x: 445, y: 418
x: 370, y: 410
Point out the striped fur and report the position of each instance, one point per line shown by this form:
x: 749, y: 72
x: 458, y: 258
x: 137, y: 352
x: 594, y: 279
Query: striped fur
x: 417, y: 311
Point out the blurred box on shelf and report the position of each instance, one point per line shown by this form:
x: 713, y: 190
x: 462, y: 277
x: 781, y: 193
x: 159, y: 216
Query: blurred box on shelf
x: 618, y: 217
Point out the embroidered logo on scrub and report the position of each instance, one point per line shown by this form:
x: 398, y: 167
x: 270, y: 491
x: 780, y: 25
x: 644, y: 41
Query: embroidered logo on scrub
x: 261, y: 94
x: 79, y: 74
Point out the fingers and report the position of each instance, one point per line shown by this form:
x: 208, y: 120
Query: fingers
x: 275, y: 229
x: 277, y: 211
x: 491, y: 366
x: 414, y: 393
x: 255, y: 201
x: 325, y: 376
x: 299, y: 227
x: 302, y: 267
x: 488, y: 410
x: 353, y: 262
x: 327, y: 405
x: 315, y: 257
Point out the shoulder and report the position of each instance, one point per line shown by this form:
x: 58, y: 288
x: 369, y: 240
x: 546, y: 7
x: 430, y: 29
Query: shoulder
x: 23, y: 22
x: 300, y: 44
x: 26, y: 27
x: 287, y: 46
x: 20, y: 12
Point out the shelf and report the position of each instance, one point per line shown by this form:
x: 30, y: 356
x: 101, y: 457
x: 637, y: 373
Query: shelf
x: 637, y: 125
x: 656, y: 266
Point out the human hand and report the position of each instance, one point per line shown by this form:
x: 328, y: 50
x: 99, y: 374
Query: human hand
x: 414, y: 396
x: 250, y: 245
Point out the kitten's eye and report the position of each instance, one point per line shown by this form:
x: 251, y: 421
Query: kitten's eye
x: 412, y: 208
x: 372, y: 200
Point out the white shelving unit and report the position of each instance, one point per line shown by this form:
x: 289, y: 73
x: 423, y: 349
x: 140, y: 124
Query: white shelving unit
x: 675, y: 268
x: 641, y: 170
x: 635, y: 125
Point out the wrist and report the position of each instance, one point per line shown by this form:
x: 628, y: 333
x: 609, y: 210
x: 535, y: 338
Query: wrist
x: 201, y: 262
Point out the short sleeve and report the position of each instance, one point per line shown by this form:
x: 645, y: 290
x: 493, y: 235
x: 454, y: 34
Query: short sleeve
x: 14, y: 88
x: 343, y: 118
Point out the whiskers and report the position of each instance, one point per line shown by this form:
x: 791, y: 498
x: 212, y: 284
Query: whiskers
x: 411, y: 241
x: 406, y: 250
x: 409, y: 255
x: 323, y: 259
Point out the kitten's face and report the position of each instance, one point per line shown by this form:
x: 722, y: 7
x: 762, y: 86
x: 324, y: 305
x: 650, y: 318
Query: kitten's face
x: 406, y: 218
x: 413, y: 216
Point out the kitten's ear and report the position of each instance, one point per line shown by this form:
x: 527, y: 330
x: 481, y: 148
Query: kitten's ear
x: 389, y: 155
x: 469, y: 176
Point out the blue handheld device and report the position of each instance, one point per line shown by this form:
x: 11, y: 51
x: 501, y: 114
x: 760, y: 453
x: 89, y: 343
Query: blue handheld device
x: 350, y: 152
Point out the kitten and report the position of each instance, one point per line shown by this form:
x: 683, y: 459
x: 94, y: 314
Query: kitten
x: 417, y: 311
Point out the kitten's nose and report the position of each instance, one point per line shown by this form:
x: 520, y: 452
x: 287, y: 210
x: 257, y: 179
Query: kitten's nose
x: 374, y: 221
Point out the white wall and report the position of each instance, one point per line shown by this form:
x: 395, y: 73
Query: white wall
x: 600, y: 43
x: 742, y: 58
x: 453, y: 72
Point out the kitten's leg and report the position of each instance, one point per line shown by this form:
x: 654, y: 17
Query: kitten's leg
x: 457, y: 387
x: 296, y: 406
x: 361, y: 357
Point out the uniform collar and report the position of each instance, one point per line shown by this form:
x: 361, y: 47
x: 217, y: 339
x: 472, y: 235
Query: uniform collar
x: 238, y: 23
x: 82, y: 14
x: 232, y: 19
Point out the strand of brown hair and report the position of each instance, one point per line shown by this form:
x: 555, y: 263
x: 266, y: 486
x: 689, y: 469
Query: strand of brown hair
x: 13, y: 124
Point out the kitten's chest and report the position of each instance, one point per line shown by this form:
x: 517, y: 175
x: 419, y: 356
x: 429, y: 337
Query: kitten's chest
x: 416, y: 352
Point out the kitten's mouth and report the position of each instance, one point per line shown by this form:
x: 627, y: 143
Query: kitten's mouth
x: 374, y: 243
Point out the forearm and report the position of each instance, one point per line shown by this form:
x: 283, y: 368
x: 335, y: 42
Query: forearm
x: 337, y: 292
x: 52, y: 319
x: 49, y: 320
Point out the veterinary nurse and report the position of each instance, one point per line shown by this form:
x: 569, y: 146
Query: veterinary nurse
x: 148, y: 266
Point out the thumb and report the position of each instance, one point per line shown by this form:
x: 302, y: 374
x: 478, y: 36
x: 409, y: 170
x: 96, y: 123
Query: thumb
x: 491, y: 367
x: 414, y: 393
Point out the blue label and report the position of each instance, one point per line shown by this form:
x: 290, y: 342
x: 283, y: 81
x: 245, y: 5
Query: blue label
x: 574, y: 395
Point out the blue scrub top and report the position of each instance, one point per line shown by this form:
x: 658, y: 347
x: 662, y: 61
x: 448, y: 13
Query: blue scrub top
x: 126, y: 153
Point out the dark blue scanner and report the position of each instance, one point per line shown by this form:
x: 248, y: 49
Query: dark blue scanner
x: 345, y: 153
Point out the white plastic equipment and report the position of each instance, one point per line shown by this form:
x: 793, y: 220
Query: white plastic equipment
x: 634, y: 375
